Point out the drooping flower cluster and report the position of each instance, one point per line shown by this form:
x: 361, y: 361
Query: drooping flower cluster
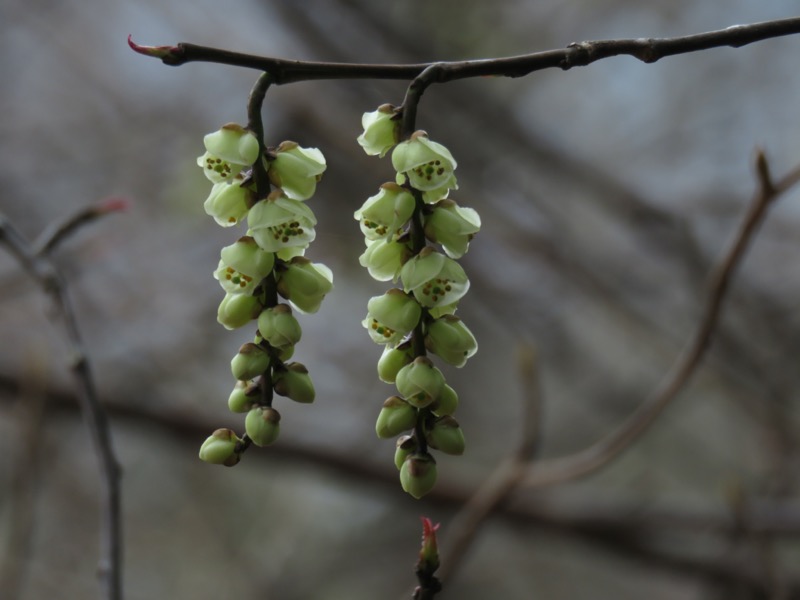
x: 418, y: 316
x: 265, y: 263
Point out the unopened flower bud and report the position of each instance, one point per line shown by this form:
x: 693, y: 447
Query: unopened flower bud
x: 250, y: 362
x: 381, y: 130
x: 305, y: 284
x: 420, y: 382
x: 446, y: 403
x: 296, y: 170
x: 237, y: 310
x: 418, y: 474
x: 391, y: 361
x: 446, y: 435
x: 451, y: 340
x: 220, y: 448
x: 384, y: 259
x: 243, y: 397
x: 278, y: 326
x: 395, y: 417
x: 262, y: 425
x: 406, y: 445
x: 295, y: 383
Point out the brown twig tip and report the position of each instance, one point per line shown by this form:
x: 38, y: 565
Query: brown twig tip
x: 169, y: 54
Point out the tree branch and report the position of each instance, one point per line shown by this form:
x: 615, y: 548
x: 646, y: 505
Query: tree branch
x: 38, y: 266
x: 557, y: 470
x: 578, y: 54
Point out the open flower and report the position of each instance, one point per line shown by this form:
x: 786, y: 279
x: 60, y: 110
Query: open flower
x: 296, y: 170
x: 228, y: 151
x: 435, y: 279
x: 243, y: 265
x: 452, y: 226
x: 385, y: 214
x: 279, y: 222
x: 228, y: 202
x: 305, y: 284
x: 427, y: 165
x: 381, y: 130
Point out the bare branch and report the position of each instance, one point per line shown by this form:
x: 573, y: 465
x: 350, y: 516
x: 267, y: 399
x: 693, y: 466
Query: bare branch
x: 49, y: 278
x: 578, y: 54
x: 552, y: 471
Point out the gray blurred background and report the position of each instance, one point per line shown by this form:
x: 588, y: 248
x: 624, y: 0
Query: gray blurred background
x: 606, y: 194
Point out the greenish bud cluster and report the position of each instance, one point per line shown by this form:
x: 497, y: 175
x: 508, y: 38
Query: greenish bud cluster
x: 265, y: 188
x: 414, y: 234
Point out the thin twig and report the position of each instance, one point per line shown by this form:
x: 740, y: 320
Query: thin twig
x: 573, y: 466
x: 648, y: 50
x: 38, y: 266
x: 506, y: 477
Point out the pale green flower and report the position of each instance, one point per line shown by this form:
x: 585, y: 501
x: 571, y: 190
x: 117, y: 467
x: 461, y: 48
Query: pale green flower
x: 384, y: 215
x: 242, y: 266
x: 278, y: 326
x: 384, y: 259
x: 420, y: 382
x: 427, y: 165
x: 381, y: 130
x: 418, y: 474
x: 296, y: 170
x: 295, y: 383
x: 220, y: 448
x: 279, y: 222
x: 263, y: 425
x: 228, y: 203
x: 451, y: 340
x: 435, y: 279
x: 396, y: 416
x: 237, y: 310
x: 452, y: 226
x: 446, y: 435
x: 228, y: 151
x: 250, y: 362
x: 305, y: 284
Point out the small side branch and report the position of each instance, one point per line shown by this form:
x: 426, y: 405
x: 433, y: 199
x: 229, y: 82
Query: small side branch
x: 647, y: 50
x: 35, y: 262
x: 557, y: 470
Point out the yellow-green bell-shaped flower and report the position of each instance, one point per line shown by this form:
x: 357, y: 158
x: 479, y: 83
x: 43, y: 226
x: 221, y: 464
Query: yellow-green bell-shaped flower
x: 228, y: 203
x: 446, y: 403
x: 278, y: 326
x: 381, y: 130
x: 262, y: 425
x: 451, y: 340
x: 392, y: 360
x: 243, y: 397
x: 384, y: 259
x: 228, y: 151
x: 420, y: 382
x: 295, y: 383
x: 384, y: 215
x: 220, y: 448
x: 391, y: 316
x: 250, y: 362
x: 396, y: 416
x: 296, y: 170
x: 435, y: 279
x: 446, y: 435
x: 278, y: 222
x: 305, y: 284
x: 452, y: 226
x: 237, y: 310
x: 242, y: 266
x: 418, y: 474
x: 427, y: 165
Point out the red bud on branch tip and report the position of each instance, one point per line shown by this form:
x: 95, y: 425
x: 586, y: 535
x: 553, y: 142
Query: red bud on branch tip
x: 429, y: 554
x: 154, y: 51
x: 112, y: 205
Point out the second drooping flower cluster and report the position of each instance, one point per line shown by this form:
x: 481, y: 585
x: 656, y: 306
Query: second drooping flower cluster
x: 261, y: 266
x: 418, y: 317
